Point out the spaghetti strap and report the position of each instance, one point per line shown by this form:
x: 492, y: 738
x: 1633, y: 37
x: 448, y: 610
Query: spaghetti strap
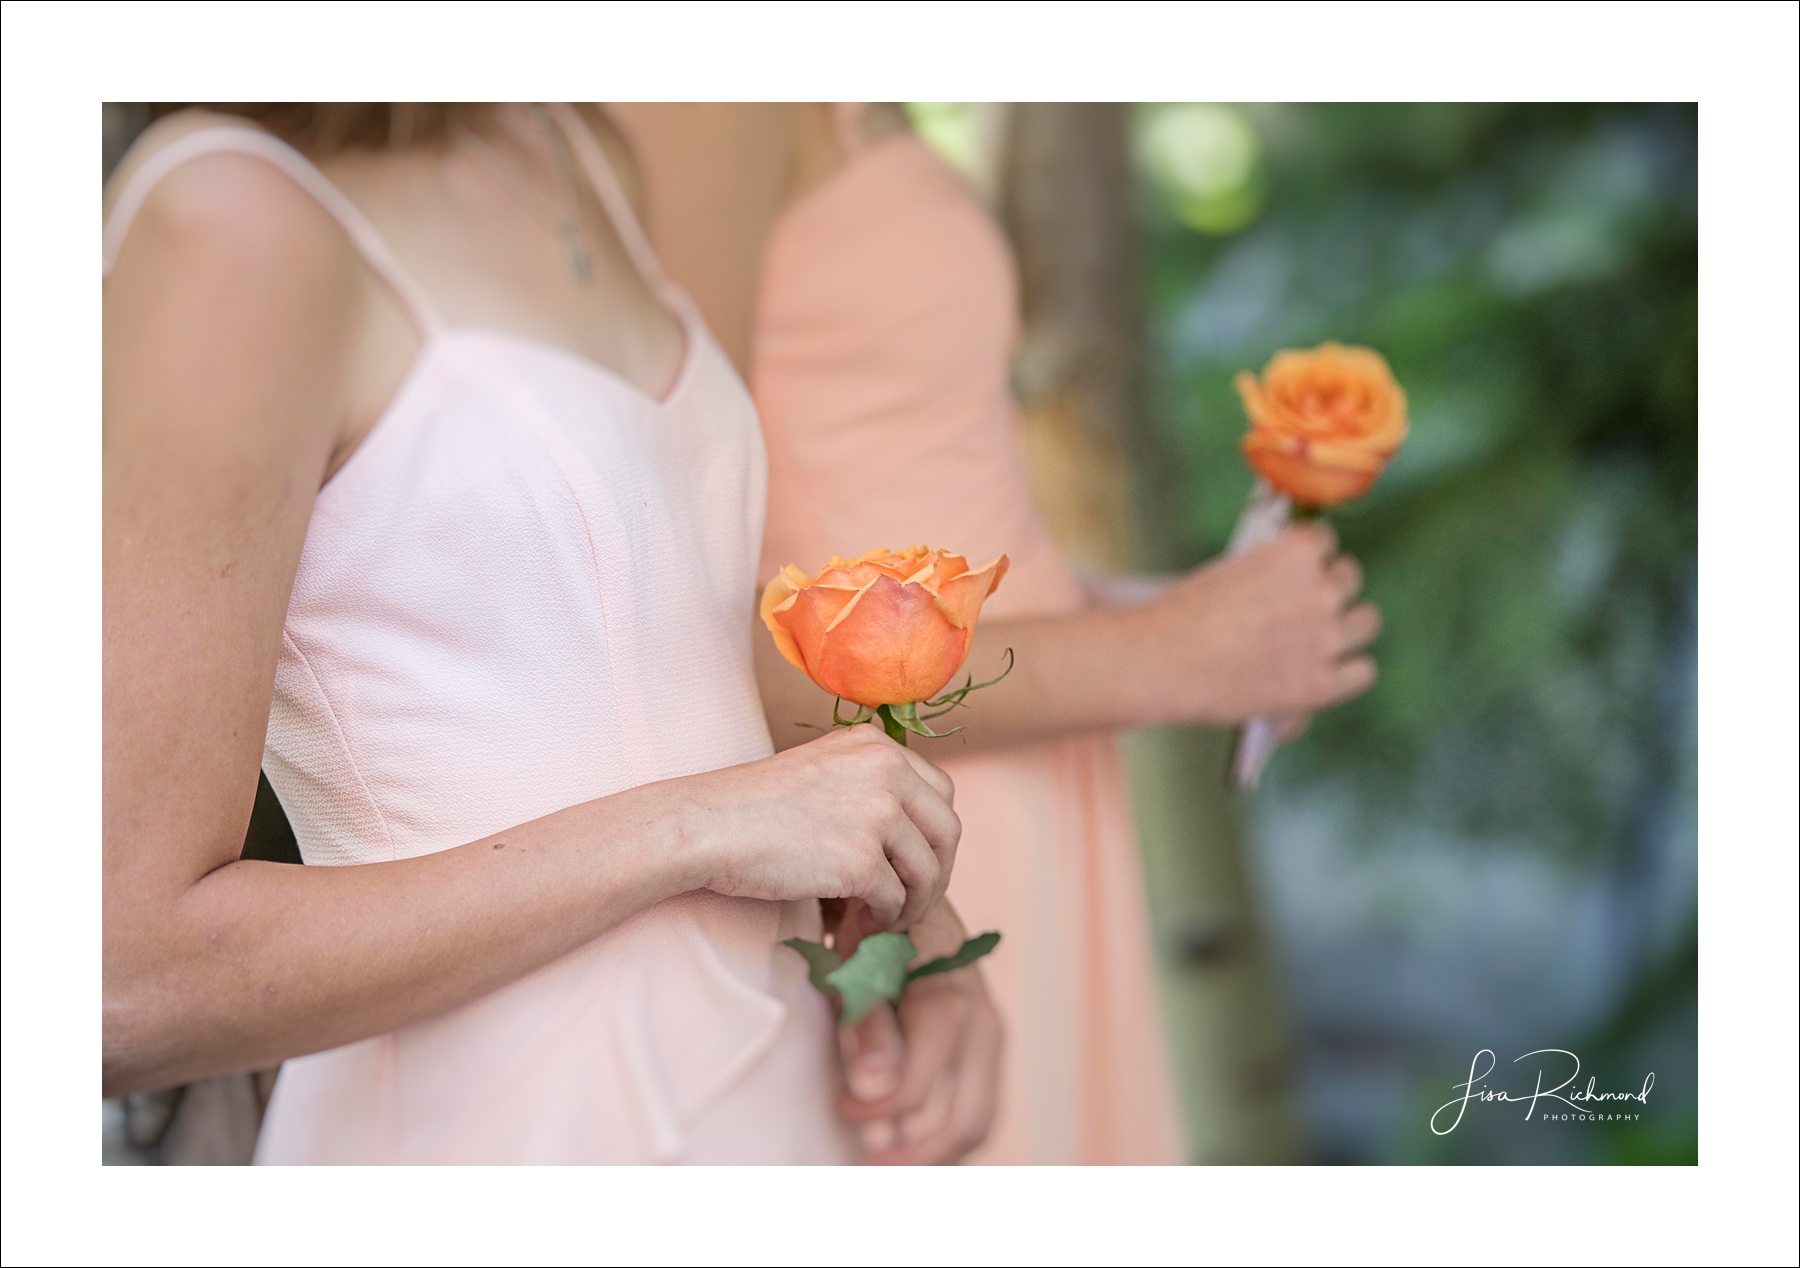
x: 245, y: 140
x: 592, y: 157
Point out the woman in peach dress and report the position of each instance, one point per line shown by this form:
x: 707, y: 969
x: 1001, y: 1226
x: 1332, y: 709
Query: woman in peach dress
x: 425, y: 491
x: 874, y: 303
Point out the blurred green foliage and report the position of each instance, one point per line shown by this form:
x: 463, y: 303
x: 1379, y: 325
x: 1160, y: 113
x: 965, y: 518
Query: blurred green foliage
x: 1530, y: 273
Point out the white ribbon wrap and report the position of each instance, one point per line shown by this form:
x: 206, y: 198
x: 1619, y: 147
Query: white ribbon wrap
x: 1263, y: 519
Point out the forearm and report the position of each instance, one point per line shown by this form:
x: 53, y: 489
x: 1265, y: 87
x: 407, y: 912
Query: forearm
x: 257, y: 962
x: 1271, y: 632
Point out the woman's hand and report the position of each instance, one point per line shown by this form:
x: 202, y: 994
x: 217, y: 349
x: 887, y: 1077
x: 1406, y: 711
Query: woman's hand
x: 850, y: 815
x: 924, y: 1085
x: 1273, y: 631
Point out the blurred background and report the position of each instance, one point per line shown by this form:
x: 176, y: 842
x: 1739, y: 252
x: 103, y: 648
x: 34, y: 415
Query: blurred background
x: 1496, y: 847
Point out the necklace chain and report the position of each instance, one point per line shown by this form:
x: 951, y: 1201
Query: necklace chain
x: 565, y: 222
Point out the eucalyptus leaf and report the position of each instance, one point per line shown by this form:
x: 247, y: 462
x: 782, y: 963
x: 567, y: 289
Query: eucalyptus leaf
x: 876, y: 972
x: 821, y: 960
x: 967, y: 954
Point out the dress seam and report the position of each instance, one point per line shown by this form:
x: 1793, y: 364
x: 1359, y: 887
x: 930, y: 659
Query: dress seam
x: 548, y: 450
x: 344, y: 742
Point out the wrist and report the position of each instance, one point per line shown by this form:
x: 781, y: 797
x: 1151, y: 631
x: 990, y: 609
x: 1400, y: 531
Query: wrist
x: 681, y: 835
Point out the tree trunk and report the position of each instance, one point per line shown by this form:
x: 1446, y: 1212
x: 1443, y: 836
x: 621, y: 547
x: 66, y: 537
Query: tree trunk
x: 1063, y: 184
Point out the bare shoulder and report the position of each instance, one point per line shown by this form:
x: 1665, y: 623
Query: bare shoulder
x: 230, y: 209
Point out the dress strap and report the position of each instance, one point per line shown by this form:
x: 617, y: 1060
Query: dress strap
x: 592, y: 157
x: 258, y: 144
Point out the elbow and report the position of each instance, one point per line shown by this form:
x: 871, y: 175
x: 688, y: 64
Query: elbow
x: 127, y: 1041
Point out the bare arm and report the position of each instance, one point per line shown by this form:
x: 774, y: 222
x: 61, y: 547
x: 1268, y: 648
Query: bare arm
x: 242, y: 343
x: 1273, y: 631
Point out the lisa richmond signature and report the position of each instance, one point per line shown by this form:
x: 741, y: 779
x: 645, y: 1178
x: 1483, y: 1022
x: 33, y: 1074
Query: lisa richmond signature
x: 1587, y: 1102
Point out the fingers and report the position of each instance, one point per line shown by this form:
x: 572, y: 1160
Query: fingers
x: 924, y: 793
x: 918, y: 866
x: 935, y: 821
x: 1320, y: 537
x: 884, y: 893
x: 874, y: 1055
x: 915, y: 825
x: 937, y: 780
x: 1360, y: 626
x: 1346, y: 575
x: 930, y: 1119
x: 958, y: 1113
x: 1354, y: 677
x: 934, y: 1017
x: 1293, y: 726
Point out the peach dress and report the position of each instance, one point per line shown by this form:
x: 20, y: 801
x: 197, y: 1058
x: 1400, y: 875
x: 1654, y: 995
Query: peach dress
x: 886, y: 322
x: 530, y: 586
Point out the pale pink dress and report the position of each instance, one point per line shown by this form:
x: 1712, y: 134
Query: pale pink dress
x: 530, y: 586
x: 887, y: 318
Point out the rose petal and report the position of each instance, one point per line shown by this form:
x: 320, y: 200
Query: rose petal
x: 949, y: 566
x: 779, y: 594
x: 1308, y: 483
x: 890, y: 645
x: 960, y: 598
x: 808, y: 615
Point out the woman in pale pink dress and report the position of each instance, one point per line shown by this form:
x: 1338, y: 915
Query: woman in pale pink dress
x: 425, y: 492
x: 873, y: 302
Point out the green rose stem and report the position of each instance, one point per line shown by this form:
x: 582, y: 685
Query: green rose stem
x: 891, y: 724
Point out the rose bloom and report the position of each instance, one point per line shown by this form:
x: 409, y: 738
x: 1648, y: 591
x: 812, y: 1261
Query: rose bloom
x: 1323, y: 423
x: 892, y: 627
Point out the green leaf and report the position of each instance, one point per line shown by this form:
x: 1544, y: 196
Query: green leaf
x: 907, y: 715
x: 967, y: 954
x: 876, y: 972
x: 891, y: 725
x: 821, y: 960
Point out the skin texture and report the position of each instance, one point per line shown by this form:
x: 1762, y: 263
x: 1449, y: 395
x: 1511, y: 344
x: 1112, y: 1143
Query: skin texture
x: 247, y: 352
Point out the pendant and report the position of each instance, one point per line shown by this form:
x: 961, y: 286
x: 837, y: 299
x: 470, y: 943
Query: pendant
x: 579, y: 265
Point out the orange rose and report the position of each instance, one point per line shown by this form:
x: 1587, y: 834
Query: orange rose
x: 1323, y: 423
x: 892, y: 627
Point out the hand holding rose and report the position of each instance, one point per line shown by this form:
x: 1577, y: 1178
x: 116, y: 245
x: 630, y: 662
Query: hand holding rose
x: 1323, y: 425
x: 1276, y: 630
x: 851, y: 815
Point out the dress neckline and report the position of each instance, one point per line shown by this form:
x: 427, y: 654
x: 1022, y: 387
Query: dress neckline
x: 371, y: 245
